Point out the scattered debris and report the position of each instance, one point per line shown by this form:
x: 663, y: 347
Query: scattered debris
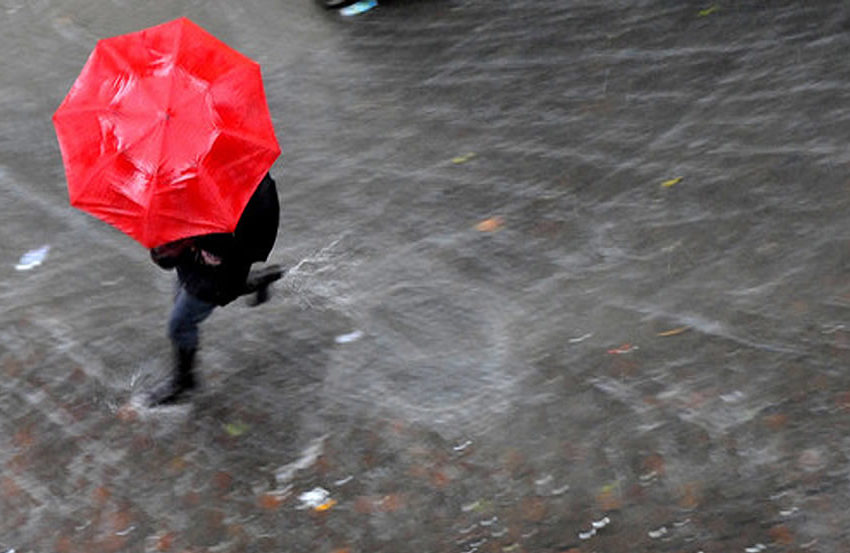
x: 343, y: 481
x: 311, y: 454
x: 236, y: 429
x: 326, y: 506
x: 491, y: 225
x: 655, y: 534
x: 350, y: 337
x: 358, y: 8
x: 587, y: 535
x: 600, y: 524
x: 318, y: 499
x: 625, y: 348
x: 674, y: 331
x: 464, y: 445
x: 464, y: 158
x: 581, y: 338
x: 32, y: 258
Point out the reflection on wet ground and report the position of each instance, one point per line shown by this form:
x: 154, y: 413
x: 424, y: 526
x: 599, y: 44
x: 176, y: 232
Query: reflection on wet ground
x: 566, y: 277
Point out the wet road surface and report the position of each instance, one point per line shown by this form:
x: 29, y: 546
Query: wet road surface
x: 566, y: 276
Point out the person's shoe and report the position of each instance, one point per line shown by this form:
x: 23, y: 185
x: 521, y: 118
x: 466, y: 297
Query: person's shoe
x: 258, y: 282
x: 335, y: 4
x: 179, y: 385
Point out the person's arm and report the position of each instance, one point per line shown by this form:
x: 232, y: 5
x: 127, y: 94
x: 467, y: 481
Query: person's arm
x: 168, y: 255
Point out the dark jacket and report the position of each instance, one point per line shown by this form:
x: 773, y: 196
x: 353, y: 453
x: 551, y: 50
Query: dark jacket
x: 214, y: 267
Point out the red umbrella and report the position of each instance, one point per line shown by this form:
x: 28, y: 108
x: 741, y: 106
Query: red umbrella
x: 166, y: 133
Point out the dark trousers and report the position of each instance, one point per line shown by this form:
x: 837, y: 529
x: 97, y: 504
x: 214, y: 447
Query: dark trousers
x: 188, y: 312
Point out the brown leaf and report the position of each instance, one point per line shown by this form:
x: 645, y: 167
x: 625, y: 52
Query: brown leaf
x: 392, y: 502
x: 674, y: 331
x: 165, y: 542
x: 440, y: 479
x: 491, y: 225
x: 609, y: 499
x: 533, y: 509
x: 781, y: 535
x: 655, y: 462
x: 271, y: 501
x: 777, y: 421
x: 690, y: 496
x: 101, y: 495
x: 222, y: 481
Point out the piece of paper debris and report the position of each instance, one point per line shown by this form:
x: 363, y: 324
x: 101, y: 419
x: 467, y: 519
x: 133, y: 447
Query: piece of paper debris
x: 348, y: 338
x: 32, y: 258
x: 358, y: 8
x: 314, y: 498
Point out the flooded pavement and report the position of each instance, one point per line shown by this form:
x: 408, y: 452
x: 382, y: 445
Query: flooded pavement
x: 566, y: 277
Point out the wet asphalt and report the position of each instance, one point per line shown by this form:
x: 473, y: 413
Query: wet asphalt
x: 564, y: 277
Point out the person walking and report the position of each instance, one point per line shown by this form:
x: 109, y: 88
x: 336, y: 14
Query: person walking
x: 212, y: 271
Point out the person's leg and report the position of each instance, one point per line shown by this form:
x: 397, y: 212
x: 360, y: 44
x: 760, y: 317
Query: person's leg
x: 258, y: 282
x: 187, y: 314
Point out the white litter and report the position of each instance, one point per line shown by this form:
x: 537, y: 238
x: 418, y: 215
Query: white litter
x: 314, y: 498
x: 32, y: 258
x: 348, y: 338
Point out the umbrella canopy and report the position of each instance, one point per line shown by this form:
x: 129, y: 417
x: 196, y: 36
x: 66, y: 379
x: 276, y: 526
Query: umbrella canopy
x: 166, y: 133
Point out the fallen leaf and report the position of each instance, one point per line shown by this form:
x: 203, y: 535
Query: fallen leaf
x: 608, y: 499
x: 675, y: 331
x: 491, y: 225
x: 655, y: 462
x: 533, y: 509
x: 271, y: 501
x: 165, y: 542
x: 236, y: 429
x: 781, y: 535
x: 463, y: 158
x: 776, y: 421
x: 326, y: 506
x: 101, y: 495
x: 671, y: 182
x: 391, y: 503
x: 708, y: 11
x: 222, y: 481
x: 625, y: 348
x: 690, y: 496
